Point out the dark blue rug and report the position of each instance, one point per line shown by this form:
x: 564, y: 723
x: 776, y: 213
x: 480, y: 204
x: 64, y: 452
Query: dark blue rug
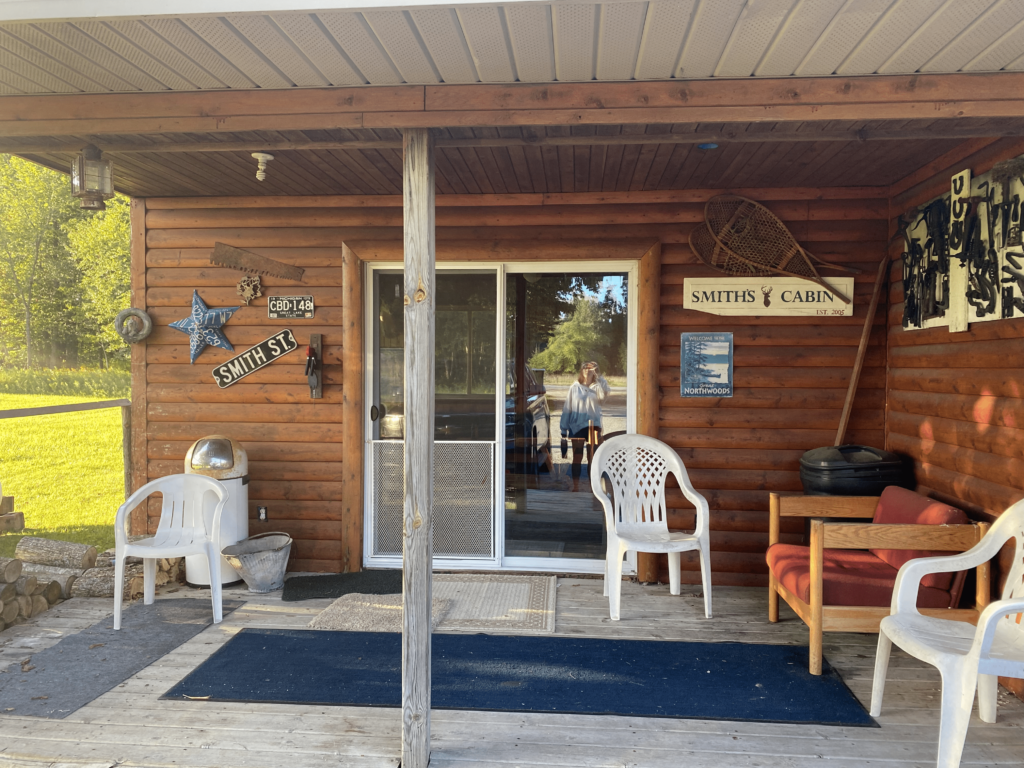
x: 706, y: 681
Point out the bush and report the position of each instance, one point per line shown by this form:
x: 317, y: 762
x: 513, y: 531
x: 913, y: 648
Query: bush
x: 65, y: 382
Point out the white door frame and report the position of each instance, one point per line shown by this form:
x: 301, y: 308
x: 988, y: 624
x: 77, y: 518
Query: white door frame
x: 499, y: 562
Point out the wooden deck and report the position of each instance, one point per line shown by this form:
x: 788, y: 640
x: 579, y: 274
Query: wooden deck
x: 130, y: 726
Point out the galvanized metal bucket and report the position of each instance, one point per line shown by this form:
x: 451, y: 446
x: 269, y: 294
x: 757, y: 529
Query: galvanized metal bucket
x: 261, y: 560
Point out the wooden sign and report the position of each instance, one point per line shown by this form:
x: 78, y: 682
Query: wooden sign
x: 705, y: 364
x: 246, y: 261
x: 254, y: 358
x: 289, y: 307
x: 766, y: 296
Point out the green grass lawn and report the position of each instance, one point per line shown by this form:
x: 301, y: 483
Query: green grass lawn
x: 65, y: 471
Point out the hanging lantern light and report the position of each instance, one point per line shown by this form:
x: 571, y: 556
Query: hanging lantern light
x: 92, y: 179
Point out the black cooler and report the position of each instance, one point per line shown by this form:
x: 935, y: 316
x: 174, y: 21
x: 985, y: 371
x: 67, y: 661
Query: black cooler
x: 852, y: 470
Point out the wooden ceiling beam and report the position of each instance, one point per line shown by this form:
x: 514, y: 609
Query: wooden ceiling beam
x: 718, y: 137
x: 754, y: 100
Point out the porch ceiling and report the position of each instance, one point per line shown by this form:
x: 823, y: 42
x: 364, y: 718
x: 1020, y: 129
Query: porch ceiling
x: 528, y: 159
x: 531, y: 42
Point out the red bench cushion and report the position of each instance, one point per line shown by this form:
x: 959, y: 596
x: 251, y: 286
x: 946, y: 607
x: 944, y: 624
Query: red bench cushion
x: 849, y: 577
x: 898, y: 506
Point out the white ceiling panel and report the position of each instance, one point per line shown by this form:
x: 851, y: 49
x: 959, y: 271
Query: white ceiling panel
x: 442, y: 34
x: 889, y: 32
x: 975, y: 39
x: 403, y: 45
x: 362, y: 47
x: 618, y: 40
x: 575, y: 28
x: 932, y: 36
x: 529, y: 30
x: 223, y: 38
x: 323, y: 52
x: 847, y: 28
x: 176, y: 33
x: 713, y: 24
x: 1001, y: 53
x: 665, y: 31
x: 169, y: 57
x: 101, y: 55
x: 531, y: 42
x: 797, y: 37
x: 267, y: 37
x: 487, y: 38
x: 757, y: 26
x: 158, y: 72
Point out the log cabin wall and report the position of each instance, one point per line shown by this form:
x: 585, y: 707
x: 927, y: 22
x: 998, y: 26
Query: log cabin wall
x: 791, y: 374
x: 956, y: 400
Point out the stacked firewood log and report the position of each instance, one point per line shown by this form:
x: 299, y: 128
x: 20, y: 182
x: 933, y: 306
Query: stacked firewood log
x: 10, y: 521
x: 42, y: 573
x: 24, y: 595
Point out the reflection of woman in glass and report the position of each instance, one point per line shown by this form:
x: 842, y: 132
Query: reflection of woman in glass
x: 581, y: 410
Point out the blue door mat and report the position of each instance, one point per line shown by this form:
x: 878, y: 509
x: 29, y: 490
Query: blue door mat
x: 706, y: 681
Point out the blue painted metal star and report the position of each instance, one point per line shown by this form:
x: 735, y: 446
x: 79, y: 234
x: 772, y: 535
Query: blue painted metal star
x: 203, y: 327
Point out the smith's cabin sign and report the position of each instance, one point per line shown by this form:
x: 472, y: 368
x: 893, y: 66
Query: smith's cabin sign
x: 254, y: 358
x: 705, y: 364
x: 766, y: 296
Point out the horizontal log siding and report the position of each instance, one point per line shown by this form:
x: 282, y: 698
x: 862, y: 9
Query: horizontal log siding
x: 956, y: 400
x: 791, y: 373
x: 294, y: 443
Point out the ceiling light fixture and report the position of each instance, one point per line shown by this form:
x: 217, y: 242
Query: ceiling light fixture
x: 92, y: 179
x: 262, y: 159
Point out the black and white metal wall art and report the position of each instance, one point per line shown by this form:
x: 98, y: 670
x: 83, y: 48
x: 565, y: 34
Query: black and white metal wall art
x: 254, y: 358
x: 962, y: 262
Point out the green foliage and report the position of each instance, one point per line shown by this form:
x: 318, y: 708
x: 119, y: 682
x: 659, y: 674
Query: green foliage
x: 63, y: 272
x: 65, y: 471
x: 575, y: 340
x: 83, y: 384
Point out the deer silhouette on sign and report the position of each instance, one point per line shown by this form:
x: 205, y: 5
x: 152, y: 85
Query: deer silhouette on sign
x: 767, y: 291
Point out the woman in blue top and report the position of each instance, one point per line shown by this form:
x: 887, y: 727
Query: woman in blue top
x: 581, y: 409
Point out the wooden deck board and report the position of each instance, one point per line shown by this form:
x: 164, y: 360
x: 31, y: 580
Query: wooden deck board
x: 131, y: 726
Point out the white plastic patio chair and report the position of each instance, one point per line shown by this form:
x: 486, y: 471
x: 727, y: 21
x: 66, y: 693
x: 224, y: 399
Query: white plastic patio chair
x: 967, y: 657
x: 183, y: 530
x: 636, y: 516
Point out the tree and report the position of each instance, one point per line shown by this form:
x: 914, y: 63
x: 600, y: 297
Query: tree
x: 35, y: 204
x: 575, y: 340
x: 101, y: 247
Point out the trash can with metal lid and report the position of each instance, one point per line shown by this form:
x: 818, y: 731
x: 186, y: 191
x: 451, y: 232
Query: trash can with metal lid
x: 852, y: 470
x: 222, y: 459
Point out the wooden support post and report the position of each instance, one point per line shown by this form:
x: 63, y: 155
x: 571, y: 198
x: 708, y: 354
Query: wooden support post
x: 817, y: 611
x: 126, y: 448
x: 417, y: 556
x: 353, y: 443
x: 774, y: 526
x: 647, y: 368
x: 139, y: 523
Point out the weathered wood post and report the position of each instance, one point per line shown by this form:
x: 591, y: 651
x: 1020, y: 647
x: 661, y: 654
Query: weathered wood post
x: 126, y: 447
x: 417, y: 555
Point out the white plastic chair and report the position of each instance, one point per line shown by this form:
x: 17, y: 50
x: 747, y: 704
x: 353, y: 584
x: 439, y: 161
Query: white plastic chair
x: 967, y: 657
x: 636, y: 517
x: 183, y: 530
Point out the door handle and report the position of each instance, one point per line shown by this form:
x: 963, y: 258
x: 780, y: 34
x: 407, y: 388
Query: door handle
x: 374, y: 413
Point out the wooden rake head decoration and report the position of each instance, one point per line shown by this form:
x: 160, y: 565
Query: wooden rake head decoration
x: 741, y: 237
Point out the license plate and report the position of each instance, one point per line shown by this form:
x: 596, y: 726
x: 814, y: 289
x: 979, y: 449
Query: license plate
x: 289, y: 307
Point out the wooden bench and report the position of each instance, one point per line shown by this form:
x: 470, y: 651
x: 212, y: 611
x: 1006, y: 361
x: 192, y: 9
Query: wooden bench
x: 830, y: 543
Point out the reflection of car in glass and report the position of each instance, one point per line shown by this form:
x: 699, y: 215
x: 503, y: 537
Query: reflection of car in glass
x: 471, y: 417
x: 528, y: 437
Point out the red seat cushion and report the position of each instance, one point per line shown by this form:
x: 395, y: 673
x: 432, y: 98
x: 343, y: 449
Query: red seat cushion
x: 849, y: 577
x: 898, y: 506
